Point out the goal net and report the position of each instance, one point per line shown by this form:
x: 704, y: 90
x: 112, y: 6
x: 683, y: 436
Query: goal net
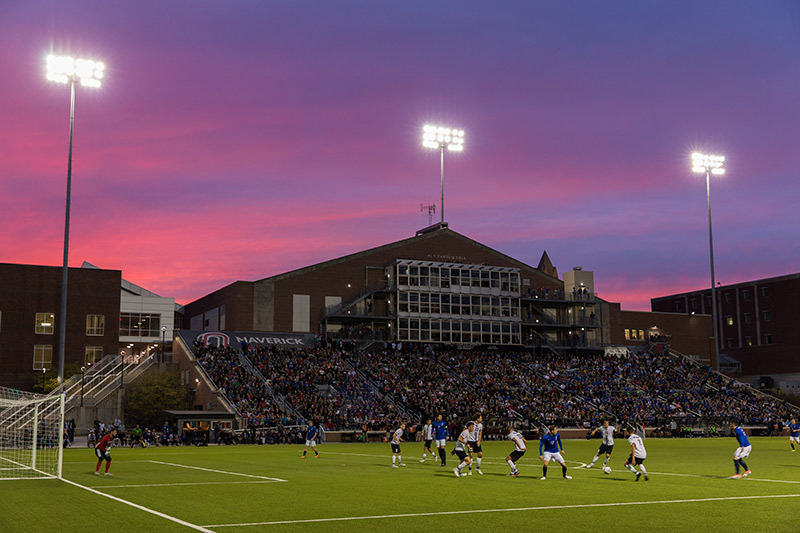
x: 31, y: 434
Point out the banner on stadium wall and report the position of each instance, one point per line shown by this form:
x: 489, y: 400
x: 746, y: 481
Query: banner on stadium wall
x: 235, y: 339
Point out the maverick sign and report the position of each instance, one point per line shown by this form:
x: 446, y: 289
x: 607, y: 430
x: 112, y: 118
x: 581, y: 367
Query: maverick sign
x: 236, y: 339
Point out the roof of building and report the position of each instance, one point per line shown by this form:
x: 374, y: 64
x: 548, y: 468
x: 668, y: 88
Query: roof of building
x: 777, y: 279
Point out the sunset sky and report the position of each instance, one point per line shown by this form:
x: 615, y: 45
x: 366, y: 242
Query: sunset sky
x: 240, y: 139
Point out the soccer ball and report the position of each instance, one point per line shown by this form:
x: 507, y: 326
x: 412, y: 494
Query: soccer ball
x: 606, y: 469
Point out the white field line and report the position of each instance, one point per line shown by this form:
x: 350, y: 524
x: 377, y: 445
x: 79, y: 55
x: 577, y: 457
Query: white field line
x: 516, y: 509
x: 217, y: 471
x: 107, y: 487
x: 141, y: 507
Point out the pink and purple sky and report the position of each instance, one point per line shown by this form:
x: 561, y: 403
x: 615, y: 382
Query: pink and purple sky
x: 238, y: 140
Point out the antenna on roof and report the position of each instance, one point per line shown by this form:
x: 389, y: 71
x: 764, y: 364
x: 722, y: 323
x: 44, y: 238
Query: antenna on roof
x: 431, y: 211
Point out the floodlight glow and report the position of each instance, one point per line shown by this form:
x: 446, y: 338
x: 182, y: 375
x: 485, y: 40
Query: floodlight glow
x: 63, y: 69
x: 708, y: 163
x: 440, y: 137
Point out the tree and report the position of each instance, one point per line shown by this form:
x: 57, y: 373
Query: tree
x: 146, y: 397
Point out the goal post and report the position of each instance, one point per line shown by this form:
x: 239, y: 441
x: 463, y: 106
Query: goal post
x: 31, y: 435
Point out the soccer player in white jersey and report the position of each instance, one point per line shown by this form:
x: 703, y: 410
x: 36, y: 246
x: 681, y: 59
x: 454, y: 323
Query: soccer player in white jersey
x: 519, y: 450
x: 475, y: 441
x: 427, y: 436
x: 638, y: 454
x: 607, y: 432
x: 461, y: 449
x: 397, y: 438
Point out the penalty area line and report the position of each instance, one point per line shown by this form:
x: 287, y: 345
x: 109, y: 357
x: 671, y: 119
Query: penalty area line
x: 515, y: 509
x: 141, y: 507
x: 218, y: 471
x: 147, y: 485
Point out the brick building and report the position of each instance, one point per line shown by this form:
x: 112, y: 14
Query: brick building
x: 757, y: 323
x: 30, y: 300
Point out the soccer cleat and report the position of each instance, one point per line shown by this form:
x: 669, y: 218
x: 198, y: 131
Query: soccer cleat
x: 747, y: 473
x: 480, y: 471
x: 422, y: 460
x: 542, y: 478
x: 590, y: 465
x: 567, y: 477
x: 470, y: 472
x: 395, y: 466
x: 96, y: 473
x: 302, y: 457
x: 456, y: 472
x: 645, y: 477
x: 402, y: 464
x: 638, y: 475
x: 736, y: 476
x: 109, y: 474
x: 463, y: 474
x: 515, y: 473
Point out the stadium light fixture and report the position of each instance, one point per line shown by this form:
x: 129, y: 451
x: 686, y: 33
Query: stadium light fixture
x: 441, y: 137
x: 65, y: 69
x: 711, y: 164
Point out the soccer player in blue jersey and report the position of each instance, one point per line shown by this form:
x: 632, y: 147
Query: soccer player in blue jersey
x: 440, y: 434
x: 742, y: 451
x: 794, y: 433
x: 551, y: 444
x: 311, y: 440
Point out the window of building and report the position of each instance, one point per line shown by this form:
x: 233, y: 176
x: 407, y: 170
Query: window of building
x: 727, y: 297
x: 693, y: 303
x: 729, y: 320
x: 678, y: 305
x: 93, y: 354
x: 140, y: 325
x: 730, y: 342
x: 641, y: 334
x: 42, y: 356
x: 627, y: 334
x: 748, y: 341
x: 765, y: 292
x: 767, y: 315
x: 767, y: 339
x: 746, y: 295
x: 45, y: 323
x: 748, y: 318
x: 708, y: 301
x: 95, y: 325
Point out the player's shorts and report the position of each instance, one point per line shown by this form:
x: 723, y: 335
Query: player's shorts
x: 605, y: 448
x: 639, y: 460
x: 441, y: 443
x: 742, y: 452
x: 553, y: 455
x: 462, y: 454
x: 428, y: 443
x: 794, y: 439
x: 474, y: 446
x: 395, y: 448
x: 102, y: 455
x: 516, y: 455
x: 311, y: 443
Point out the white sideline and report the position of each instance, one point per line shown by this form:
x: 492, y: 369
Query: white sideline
x: 107, y: 487
x: 141, y: 507
x: 516, y: 509
x: 217, y: 471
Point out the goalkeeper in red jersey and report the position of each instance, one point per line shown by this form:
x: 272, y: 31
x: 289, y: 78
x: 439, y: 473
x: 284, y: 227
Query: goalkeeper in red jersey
x: 103, y: 451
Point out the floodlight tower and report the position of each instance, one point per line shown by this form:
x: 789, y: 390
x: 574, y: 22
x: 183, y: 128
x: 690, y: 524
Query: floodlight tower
x: 711, y: 164
x: 441, y: 137
x: 64, y: 69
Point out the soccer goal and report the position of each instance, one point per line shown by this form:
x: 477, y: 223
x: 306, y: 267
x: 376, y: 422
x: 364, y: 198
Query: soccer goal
x: 31, y: 435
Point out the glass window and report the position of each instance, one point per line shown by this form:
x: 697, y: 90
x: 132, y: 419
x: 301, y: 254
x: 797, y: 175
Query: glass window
x: 729, y: 320
x: 42, y: 356
x: 765, y: 292
x: 730, y: 343
x: 727, y: 297
x: 445, y: 278
x: 641, y: 334
x: 402, y: 270
x: 93, y: 354
x: 767, y: 339
x: 678, y: 306
x: 45, y: 323
x: 746, y: 296
x: 95, y: 325
x: 748, y: 319
x: 748, y: 341
x: 495, y: 280
x: 767, y: 315
x: 693, y: 303
x: 139, y: 325
x: 627, y: 334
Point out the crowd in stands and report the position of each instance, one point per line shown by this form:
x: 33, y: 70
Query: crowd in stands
x: 341, y: 388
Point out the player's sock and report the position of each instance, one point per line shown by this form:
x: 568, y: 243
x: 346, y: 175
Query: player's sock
x: 631, y: 468
x: 394, y: 459
x: 470, y: 467
x: 97, y: 468
x: 512, y: 465
x: 400, y: 459
x: 479, y: 462
x: 605, y: 463
x: 596, y: 457
x: 461, y: 465
x: 642, y: 468
x: 736, y: 464
x: 563, y: 470
x: 544, y: 471
x: 424, y: 455
x: 791, y: 444
x: 442, y: 456
x: 108, y: 464
x: 744, y: 465
x: 304, y: 453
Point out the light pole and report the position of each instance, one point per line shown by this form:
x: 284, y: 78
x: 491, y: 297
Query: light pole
x: 83, y: 370
x: 64, y: 69
x: 440, y: 137
x: 163, y: 341
x: 711, y: 164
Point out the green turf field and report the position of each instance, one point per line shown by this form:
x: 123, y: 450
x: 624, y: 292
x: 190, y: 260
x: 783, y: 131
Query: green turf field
x: 352, y: 486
